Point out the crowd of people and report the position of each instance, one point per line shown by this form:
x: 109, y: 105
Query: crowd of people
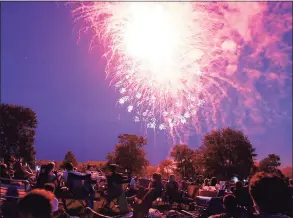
x: 265, y: 195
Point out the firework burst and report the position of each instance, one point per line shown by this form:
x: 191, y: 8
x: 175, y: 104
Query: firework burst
x: 177, y: 64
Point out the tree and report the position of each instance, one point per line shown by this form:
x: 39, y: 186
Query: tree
x: 129, y: 153
x: 226, y: 153
x: 287, y: 171
x: 182, y: 155
x: 17, y: 131
x: 69, y: 158
x: 150, y: 170
x: 270, y: 163
x: 166, y: 168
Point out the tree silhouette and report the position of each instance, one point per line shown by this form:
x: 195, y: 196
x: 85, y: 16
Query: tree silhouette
x: 129, y: 153
x: 270, y: 163
x: 226, y: 153
x: 182, y: 155
x: 17, y: 131
x: 69, y: 158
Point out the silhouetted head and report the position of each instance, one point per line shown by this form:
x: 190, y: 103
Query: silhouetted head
x: 270, y: 193
x: 214, y: 181
x: 69, y: 166
x: 36, y: 204
x: 229, y: 203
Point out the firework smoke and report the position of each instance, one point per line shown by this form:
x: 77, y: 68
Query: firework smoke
x: 187, y: 65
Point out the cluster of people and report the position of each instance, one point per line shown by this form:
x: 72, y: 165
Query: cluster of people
x: 266, y: 195
x: 18, y: 170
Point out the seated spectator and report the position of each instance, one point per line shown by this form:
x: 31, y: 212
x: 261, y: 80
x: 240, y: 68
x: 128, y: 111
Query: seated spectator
x: 36, y: 204
x: 205, y: 184
x: 69, y: 168
x: 199, y: 180
x: 242, y: 196
x: 46, y: 175
x: 230, y: 206
x: 154, y: 192
x: 4, y: 172
x: 214, y: 186
x: 20, y: 172
x: 270, y: 194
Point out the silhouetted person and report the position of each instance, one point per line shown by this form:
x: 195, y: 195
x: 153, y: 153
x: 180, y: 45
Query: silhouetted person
x: 230, y: 206
x: 36, y: 204
x: 270, y: 194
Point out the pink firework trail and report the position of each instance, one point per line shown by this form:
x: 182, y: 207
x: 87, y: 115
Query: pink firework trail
x: 182, y: 66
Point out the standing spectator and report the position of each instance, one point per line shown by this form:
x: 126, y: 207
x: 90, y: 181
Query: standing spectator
x: 115, y: 188
x: 36, y: 204
x: 172, y: 189
x: 270, y: 194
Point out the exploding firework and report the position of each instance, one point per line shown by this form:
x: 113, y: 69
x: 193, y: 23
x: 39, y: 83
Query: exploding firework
x: 179, y: 64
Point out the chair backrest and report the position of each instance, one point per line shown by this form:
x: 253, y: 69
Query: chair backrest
x: 12, y: 188
x: 215, y: 206
x: 207, y: 193
x: 79, y: 185
x: 192, y: 190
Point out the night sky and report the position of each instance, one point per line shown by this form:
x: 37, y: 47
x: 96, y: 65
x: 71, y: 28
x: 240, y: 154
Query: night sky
x: 46, y: 68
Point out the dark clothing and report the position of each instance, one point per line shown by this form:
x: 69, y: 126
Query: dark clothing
x: 19, y: 174
x: 243, y: 197
x: 157, y: 188
x: 237, y: 214
x: 115, y: 182
x: 172, y: 191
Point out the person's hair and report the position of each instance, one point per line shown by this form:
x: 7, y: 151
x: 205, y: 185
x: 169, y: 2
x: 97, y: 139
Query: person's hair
x: 206, y: 182
x: 291, y: 182
x: 229, y: 203
x: 36, y: 203
x: 69, y: 166
x: 172, y: 177
x: 157, y: 177
x: 49, y: 187
x: 270, y: 193
x: 50, y: 166
x: 214, y: 181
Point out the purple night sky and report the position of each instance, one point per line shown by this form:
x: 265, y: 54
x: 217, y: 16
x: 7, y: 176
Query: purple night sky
x: 43, y: 67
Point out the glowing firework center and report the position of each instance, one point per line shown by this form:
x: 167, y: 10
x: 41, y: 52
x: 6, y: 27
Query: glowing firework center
x: 153, y: 58
x: 157, y: 86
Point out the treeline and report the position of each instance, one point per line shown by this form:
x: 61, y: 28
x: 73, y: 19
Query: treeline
x: 223, y: 153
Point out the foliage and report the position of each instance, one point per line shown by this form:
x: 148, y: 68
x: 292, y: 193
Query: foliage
x: 69, y: 157
x: 150, y: 170
x: 225, y: 153
x: 270, y: 163
x: 166, y: 168
x: 17, y: 131
x: 129, y: 153
x: 96, y: 165
x: 287, y: 171
x: 182, y: 156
